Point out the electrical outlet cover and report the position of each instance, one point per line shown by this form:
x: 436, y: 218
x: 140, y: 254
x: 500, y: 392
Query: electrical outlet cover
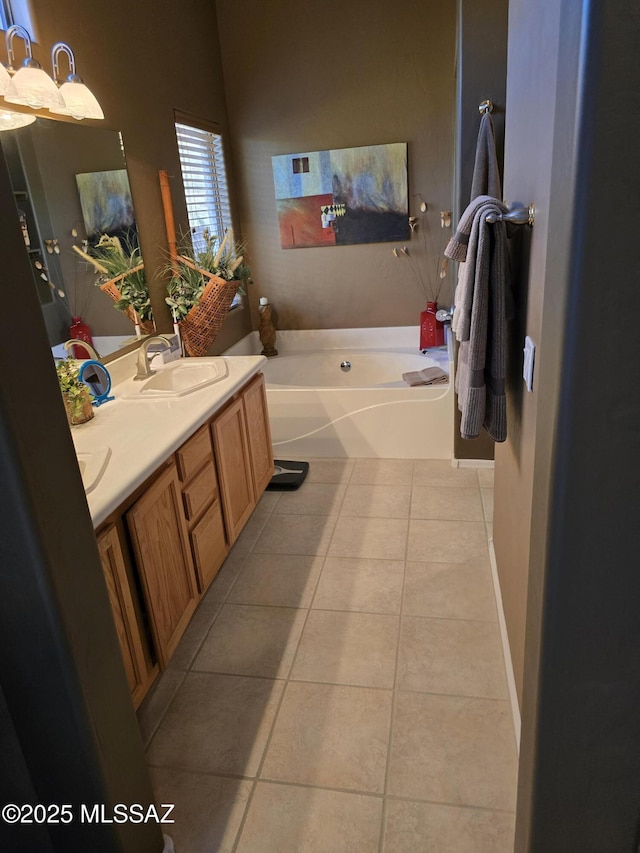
x: 527, y: 366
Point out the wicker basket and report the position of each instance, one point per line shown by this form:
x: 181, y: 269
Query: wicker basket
x: 79, y: 414
x: 109, y: 287
x: 200, y: 327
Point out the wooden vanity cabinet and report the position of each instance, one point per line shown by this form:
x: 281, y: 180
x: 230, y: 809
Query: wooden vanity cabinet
x: 201, y: 499
x: 254, y: 400
x: 242, y: 444
x: 181, y: 523
x: 163, y: 558
x: 136, y: 655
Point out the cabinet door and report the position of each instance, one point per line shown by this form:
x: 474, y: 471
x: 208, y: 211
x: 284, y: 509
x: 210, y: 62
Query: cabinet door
x: 234, y: 468
x: 209, y: 545
x: 258, y: 434
x: 158, y: 532
x: 135, y: 653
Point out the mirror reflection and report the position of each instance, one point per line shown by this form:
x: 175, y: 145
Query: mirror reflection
x: 77, y: 218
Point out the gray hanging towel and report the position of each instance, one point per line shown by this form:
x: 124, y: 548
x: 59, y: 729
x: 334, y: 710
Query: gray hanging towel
x: 486, y: 177
x: 481, y: 368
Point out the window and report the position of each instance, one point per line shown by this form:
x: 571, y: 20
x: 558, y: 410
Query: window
x: 205, y: 182
x: 6, y: 15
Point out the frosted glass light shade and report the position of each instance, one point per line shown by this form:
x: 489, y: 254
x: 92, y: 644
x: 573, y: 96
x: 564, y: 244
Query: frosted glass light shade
x: 79, y: 101
x: 33, y: 87
x: 5, y: 79
x: 10, y: 120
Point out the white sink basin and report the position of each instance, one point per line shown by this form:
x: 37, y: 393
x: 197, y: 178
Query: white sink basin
x: 178, y: 378
x: 93, y: 464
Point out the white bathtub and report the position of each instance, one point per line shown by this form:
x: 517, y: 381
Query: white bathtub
x: 316, y: 409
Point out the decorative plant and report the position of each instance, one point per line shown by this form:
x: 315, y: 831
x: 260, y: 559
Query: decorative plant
x: 222, y: 258
x: 112, y: 257
x: 75, y: 393
x: 428, y: 272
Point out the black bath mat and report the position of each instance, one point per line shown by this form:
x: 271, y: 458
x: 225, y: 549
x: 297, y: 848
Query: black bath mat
x: 288, y: 476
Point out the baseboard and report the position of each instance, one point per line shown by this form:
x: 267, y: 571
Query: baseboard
x: 473, y: 463
x: 506, y: 651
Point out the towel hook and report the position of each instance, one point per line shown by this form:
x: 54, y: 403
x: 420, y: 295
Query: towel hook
x: 485, y: 107
x: 517, y: 216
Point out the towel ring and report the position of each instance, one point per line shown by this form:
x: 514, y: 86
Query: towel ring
x: 517, y: 216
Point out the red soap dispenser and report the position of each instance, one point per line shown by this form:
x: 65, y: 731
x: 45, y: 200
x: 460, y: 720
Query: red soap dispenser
x: 431, y: 330
x: 81, y: 332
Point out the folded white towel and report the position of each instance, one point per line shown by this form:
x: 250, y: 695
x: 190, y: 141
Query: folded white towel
x: 428, y: 376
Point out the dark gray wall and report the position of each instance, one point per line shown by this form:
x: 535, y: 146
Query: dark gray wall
x: 579, y: 786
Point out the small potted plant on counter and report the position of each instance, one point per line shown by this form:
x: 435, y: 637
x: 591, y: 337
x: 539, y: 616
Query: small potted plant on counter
x: 76, y: 396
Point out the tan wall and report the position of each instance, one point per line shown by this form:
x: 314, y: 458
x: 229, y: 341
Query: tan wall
x: 306, y: 77
x: 143, y: 60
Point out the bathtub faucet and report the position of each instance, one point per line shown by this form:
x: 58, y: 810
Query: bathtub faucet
x: 444, y: 316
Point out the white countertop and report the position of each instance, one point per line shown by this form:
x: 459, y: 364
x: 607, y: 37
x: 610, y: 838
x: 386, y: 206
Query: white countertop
x: 142, y: 434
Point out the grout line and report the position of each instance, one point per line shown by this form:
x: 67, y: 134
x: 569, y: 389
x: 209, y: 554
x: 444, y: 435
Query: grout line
x: 383, y: 823
x: 154, y: 731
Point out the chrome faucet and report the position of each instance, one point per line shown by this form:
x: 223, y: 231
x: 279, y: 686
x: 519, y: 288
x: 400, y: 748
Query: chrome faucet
x: 75, y: 342
x: 144, y: 369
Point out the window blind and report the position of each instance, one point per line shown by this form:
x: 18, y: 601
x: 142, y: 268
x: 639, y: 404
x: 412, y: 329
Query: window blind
x: 205, y: 182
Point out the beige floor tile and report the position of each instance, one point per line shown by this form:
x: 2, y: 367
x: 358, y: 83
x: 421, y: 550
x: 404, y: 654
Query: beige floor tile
x: 312, y: 499
x: 217, y: 724
x: 251, y: 532
x: 350, y: 583
x: 377, y: 538
x: 268, y: 501
x: 487, y: 504
x: 438, y: 472
x: 428, y: 828
x: 332, y: 736
x: 280, y: 580
x: 377, y: 501
x: 208, y: 809
x: 451, y: 656
x: 449, y: 591
x: 157, y: 701
x: 453, y: 750
x: 247, y: 640
x: 194, y: 636
x: 296, y: 534
x: 446, y: 503
x: 287, y: 819
x: 447, y: 541
x: 348, y: 648
x: 486, y: 477
x: 227, y: 575
x: 383, y: 472
x: 330, y: 470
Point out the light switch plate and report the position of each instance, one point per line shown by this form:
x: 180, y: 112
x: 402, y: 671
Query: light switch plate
x: 527, y: 366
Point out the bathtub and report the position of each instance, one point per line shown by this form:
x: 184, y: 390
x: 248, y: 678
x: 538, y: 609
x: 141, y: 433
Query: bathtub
x: 316, y: 409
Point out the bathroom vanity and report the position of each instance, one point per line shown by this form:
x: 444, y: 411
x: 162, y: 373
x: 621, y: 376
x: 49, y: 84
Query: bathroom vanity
x: 184, y: 475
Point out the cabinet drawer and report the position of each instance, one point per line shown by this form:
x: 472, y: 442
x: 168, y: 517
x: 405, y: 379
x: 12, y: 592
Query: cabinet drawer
x: 209, y: 545
x: 193, y: 453
x: 200, y: 491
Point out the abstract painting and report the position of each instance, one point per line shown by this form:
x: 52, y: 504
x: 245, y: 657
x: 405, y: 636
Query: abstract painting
x: 342, y: 196
x: 107, y: 206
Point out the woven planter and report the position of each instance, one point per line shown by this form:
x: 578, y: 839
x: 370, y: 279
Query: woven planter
x: 200, y: 327
x: 109, y: 287
x: 78, y: 413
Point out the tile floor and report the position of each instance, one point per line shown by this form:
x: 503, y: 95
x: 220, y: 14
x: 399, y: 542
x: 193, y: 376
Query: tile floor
x: 341, y: 686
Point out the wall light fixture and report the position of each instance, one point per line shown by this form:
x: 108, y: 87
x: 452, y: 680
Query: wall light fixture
x: 31, y: 86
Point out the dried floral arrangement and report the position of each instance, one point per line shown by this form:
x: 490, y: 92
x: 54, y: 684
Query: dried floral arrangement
x: 428, y: 272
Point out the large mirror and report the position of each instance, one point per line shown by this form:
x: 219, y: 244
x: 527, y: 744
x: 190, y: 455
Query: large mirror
x: 71, y: 186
